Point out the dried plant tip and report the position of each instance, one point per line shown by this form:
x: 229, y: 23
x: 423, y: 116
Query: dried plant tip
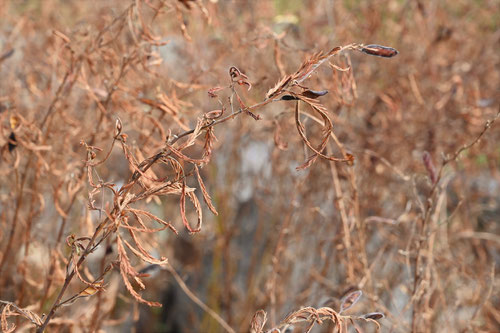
x: 253, y: 115
x: 238, y: 77
x: 314, y: 94
x: 350, y: 300
x: 118, y: 127
x: 374, y: 315
x: 212, y: 91
x: 379, y: 50
x: 234, y: 72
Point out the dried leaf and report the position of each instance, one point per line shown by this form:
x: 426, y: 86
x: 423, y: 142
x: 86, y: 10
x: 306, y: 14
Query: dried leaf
x: 4, y: 324
x: 258, y: 321
x: 238, y: 77
x: 350, y: 300
x: 209, y: 142
x: 138, y: 212
x: 278, y: 88
x: 8, y: 312
x: 206, y: 196
x: 91, y: 290
x: 142, y: 254
x: 185, y: 158
x: 127, y: 270
x: 311, y: 64
x: 212, y: 91
x: 214, y: 114
x: 327, y: 129
x: 182, y: 203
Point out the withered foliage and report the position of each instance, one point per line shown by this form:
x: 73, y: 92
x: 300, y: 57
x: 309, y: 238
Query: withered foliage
x: 360, y: 192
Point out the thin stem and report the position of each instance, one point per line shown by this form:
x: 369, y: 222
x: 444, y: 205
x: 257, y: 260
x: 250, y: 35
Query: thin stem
x: 195, y: 299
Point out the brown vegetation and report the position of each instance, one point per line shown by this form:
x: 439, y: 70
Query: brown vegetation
x: 237, y: 166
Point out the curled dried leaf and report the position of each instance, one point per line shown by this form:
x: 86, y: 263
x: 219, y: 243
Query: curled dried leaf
x: 91, y: 290
x: 327, y: 130
x: 350, y: 300
x: 204, y: 191
x: 238, y: 77
x: 10, y: 310
x: 258, y: 321
x: 127, y: 272
x: 212, y: 92
x: 197, y: 206
x: 379, y: 50
x: 214, y: 114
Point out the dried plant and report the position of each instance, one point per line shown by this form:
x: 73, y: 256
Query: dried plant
x: 133, y: 178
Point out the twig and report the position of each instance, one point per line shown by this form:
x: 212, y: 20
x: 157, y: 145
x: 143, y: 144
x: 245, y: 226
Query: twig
x: 195, y: 299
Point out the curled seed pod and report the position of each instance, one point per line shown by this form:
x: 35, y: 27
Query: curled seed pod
x: 379, y: 50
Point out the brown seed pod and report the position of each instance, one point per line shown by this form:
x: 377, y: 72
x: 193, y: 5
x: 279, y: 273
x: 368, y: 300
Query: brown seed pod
x: 314, y: 93
x: 379, y: 50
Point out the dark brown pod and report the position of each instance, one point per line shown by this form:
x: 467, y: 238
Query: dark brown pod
x: 314, y: 93
x: 379, y: 50
x: 374, y: 315
x: 12, y: 142
x: 288, y: 98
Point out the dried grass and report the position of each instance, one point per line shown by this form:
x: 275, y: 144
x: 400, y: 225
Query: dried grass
x: 361, y: 193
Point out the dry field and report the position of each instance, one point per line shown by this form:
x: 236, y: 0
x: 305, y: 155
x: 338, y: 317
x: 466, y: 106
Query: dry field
x: 249, y: 166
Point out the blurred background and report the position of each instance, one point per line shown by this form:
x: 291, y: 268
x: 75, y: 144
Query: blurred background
x: 419, y: 237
